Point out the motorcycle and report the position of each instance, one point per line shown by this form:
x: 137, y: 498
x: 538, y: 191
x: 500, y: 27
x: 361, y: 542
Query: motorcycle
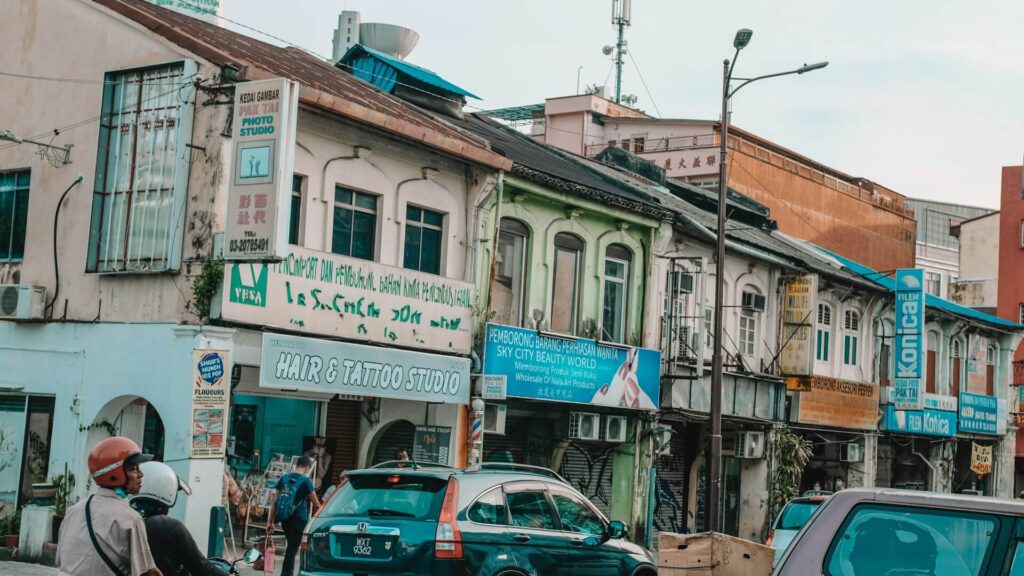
x: 251, y: 555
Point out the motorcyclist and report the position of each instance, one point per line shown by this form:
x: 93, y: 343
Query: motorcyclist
x: 102, y: 535
x: 174, y: 550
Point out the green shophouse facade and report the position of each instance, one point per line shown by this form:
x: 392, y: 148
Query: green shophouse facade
x: 565, y: 256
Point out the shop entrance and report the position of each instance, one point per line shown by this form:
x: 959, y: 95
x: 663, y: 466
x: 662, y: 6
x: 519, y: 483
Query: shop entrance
x: 26, y: 424
x: 398, y: 435
x: 263, y: 426
x: 966, y: 480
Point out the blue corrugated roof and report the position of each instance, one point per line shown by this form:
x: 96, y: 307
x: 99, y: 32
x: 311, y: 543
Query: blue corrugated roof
x: 931, y: 301
x: 411, y: 70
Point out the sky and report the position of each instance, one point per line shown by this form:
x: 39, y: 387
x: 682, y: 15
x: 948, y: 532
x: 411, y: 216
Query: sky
x: 925, y: 97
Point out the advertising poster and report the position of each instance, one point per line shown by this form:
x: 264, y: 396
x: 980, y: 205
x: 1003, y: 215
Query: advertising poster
x: 209, y: 403
x: 981, y: 459
x: 259, y: 192
x: 909, y: 393
x: 328, y: 294
x: 797, y: 355
x: 977, y: 364
x: 325, y: 366
x: 431, y: 444
x: 567, y: 369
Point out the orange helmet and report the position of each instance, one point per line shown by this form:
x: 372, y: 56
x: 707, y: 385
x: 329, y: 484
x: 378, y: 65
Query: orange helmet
x: 107, y: 460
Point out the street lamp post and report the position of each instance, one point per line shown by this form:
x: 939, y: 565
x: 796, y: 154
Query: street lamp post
x: 740, y: 41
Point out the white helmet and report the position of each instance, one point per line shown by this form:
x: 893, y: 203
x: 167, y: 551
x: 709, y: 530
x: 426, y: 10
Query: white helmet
x: 160, y: 483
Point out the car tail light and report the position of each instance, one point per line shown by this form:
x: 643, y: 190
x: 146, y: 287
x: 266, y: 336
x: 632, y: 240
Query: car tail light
x: 448, y: 539
x: 771, y: 535
x: 304, y: 543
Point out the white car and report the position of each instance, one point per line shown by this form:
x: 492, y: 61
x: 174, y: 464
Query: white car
x: 791, y: 519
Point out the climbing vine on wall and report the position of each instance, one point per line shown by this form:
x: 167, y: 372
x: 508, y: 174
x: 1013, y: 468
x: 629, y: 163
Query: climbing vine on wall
x: 206, y: 285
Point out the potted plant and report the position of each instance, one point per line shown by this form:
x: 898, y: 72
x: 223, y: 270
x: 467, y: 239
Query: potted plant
x: 63, y: 497
x: 11, y: 525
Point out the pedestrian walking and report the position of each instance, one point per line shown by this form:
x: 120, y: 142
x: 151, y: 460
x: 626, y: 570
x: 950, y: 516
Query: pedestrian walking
x: 102, y: 535
x: 171, y: 544
x: 292, y: 495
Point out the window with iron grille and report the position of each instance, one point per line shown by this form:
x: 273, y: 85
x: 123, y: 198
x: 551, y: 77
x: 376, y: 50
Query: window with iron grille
x: 13, y: 214
x: 138, y: 207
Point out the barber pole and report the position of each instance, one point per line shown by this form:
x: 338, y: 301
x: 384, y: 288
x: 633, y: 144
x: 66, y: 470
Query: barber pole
x: 476, y: 432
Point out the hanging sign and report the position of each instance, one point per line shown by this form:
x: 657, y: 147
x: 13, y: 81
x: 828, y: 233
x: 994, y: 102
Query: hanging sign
x: 263, y: 153
x: 209, y: 402
x: 910, y: 304
x: 797, y: 356
x: 981, y: 459
x: 431, y: 444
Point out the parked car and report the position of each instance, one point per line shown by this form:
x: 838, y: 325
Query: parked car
x: 498, y: 520
x: 791, y: 519
x: 886, y: 532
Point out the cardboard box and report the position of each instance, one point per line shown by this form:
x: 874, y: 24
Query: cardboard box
x: 712, y: 554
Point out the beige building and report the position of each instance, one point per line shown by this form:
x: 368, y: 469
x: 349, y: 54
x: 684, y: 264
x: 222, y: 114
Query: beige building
x: 978, y: 284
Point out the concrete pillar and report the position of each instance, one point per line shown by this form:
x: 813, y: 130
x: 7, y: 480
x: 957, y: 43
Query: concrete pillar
x: 862, y: 474
x: 753, y: 498
x: 36, y: 530
x: 940, y: 457
x: 1004, y: 465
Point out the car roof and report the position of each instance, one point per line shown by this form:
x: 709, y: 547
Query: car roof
x: 498, y: 472
x: 932, y: 500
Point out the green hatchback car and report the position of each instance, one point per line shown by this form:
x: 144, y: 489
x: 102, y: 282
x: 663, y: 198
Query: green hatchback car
x: 401, y: 518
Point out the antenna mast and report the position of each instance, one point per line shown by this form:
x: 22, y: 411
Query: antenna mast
x: 622, y: 11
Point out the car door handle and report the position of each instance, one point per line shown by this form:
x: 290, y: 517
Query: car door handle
x: 576, y: 542
x: 521, y: 538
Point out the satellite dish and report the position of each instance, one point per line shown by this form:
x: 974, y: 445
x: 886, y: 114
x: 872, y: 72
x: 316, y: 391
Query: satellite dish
x: 607, y: 50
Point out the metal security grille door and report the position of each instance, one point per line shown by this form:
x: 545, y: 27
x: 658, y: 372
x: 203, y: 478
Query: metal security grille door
x: 399, y: 436
x: 589, y: 468
x: 141, y: 170
x: 342, y: 431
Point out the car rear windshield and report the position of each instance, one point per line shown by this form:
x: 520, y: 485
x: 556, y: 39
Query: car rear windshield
x: 796, y: 514
x: 388, y: 495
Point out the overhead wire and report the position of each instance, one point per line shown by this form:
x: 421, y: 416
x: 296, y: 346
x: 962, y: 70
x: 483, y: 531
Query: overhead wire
x: 643, y: 82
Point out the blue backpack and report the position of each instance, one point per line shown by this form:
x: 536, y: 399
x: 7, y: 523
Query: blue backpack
x: 287, y: 503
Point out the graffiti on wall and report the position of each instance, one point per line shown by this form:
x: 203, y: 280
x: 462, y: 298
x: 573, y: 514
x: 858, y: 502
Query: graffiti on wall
x: 668, y: 507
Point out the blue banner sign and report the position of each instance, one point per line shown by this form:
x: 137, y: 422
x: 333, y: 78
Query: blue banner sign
x: 979, y: 414
x: 907, y: 393
x: 567, y: 369
x: 923, y: 422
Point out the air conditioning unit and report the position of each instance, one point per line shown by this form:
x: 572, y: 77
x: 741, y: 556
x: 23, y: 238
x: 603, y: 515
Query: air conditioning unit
x: 615, y: 428
x: 683, y: 282
x: 22, y: 302
x: 494, y: 418
x: 753, y: 301
x: 851, y: 452
x: 750, y: 444
x: 584, y: 426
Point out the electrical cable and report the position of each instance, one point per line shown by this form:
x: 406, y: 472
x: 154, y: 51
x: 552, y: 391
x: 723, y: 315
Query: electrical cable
x: 644, y: 83
x: 774, y: 195
x: 74, y: 80
x: 56, y: 264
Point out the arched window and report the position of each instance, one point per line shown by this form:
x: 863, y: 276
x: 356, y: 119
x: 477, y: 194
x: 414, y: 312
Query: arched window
x: 753, y: 305
x: 507, y: 286
x: 956, y: 361
x: 824, y: 333
x: 851, y: 337
x: 565, y: 288
x: 933, y: 366
x: 616, y: 293
x: 990, y: 370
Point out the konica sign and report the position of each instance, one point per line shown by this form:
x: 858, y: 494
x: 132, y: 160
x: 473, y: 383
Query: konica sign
x: 909, y: 339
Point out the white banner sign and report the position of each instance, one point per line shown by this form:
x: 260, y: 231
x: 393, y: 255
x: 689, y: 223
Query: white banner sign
x: 338, y: 296
x: 931, y: 401
x: 797, y: 355
x: 259, y: 193
x: 294, y: 363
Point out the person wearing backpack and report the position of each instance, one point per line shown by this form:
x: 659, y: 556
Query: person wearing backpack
x: 292, y: 495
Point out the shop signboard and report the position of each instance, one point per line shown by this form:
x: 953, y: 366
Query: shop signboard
x: 577, y: 370
x: 338, y: 296
x: 931, y: 401
x: 979, y: 414
x: 493, y: 386
x: 922, y: 422
x: 977, y: 364
x: 910, y: 303
x: 797, y: 356
x: 263, y: 152
x: 431, y: 444
x: 840, y: 403
x: 210, y: 394
x: 329, y: 367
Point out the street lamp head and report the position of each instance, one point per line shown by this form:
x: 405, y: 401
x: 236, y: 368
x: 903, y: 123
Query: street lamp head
x: 742, y: 38
x: 811, y: 67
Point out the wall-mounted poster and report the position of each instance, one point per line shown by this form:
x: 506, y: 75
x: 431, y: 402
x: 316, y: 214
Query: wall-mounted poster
x: 209, y: 403
x: 321, y: 450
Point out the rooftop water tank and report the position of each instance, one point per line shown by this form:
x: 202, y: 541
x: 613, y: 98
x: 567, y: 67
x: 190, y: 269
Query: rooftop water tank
x: 397, y: 41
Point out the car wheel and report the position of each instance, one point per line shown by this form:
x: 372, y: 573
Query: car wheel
x: 646, y: 572
x: 511, y: 573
